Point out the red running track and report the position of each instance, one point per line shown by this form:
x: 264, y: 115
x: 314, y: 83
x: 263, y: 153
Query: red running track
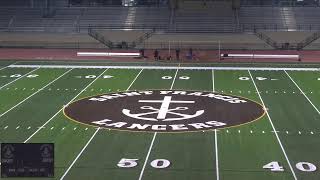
x: 199, y: 56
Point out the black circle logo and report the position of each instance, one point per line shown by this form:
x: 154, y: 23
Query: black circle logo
x: 164, y: 110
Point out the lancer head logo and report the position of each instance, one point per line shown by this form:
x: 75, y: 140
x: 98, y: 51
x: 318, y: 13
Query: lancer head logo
x: 164, y: 111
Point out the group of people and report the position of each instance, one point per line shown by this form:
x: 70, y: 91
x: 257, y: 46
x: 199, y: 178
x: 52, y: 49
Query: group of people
x: 190, y: 55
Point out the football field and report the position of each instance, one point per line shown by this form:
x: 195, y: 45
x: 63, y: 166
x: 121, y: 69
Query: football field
x: 278, y: 137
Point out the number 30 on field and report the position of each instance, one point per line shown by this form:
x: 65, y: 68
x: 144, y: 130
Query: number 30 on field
x: 130, y: 163
x: 274, y: 166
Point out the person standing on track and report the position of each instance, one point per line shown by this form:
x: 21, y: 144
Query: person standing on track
x: 156, y: 55
x: 178, y: 54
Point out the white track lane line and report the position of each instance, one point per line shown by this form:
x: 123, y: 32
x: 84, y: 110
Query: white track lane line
x: 34, y: 93
x: 215, y: 135
x: 303, y: 93
x: 84, y: 148
x: 18, y: 78
x: 66, y: 105
x: 154, y: 136
x: 274, y: 129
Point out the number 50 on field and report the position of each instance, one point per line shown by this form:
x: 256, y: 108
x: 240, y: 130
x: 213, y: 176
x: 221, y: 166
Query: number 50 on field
x: 273, y: 166
x: 130, y: 163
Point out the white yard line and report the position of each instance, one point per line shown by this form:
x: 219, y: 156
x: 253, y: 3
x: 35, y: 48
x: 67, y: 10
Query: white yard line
x: 147, y: 157
x: 174, y: 79
x: 303, y: 93
x: 167, y: 67
x: 84, y: 148
x: 34, y: 93
x: 274, y: 129
x: 134, y: 80
x: 154, y: 136
x: 4, y: 67
x: 217, y: 154
x: 212, y: 73
x: 62, y: 108
x: 215, y: 135
x: 18, y: 78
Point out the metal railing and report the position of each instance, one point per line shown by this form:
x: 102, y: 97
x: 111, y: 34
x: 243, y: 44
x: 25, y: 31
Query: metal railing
x: 308, y: 40
x: 267, y: 39
x: 214, y: 45
x: 277, y: 27
x: 142, y: 38
x: 278, y: 3
x: 41, y: 44
x: 96, y: 35
x: 127, y: 27
x: 146, y: 45
x: 287, y: 45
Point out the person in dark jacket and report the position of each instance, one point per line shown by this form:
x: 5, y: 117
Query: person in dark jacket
x: 156, y: 54
x: 178, y: 54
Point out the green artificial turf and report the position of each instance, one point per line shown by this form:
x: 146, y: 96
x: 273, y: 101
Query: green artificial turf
x: 32, y: 110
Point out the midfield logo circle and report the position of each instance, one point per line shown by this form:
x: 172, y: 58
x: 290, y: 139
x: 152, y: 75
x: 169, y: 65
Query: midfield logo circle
x: 164, y: 111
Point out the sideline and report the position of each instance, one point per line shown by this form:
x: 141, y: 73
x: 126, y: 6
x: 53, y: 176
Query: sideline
x: 168, y: 67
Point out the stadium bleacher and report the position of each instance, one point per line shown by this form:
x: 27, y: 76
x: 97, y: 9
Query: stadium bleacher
x: 125, y: 17
x: 279, y: 18
x: 204, y: 17
x: 210, y: 17
x: 190, y: 17
x: 71, y: 19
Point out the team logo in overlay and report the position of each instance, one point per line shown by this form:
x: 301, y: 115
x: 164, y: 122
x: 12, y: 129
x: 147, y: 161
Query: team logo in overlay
x: 164, y: 110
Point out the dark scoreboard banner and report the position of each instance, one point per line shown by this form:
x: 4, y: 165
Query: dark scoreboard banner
x: 27, y: 160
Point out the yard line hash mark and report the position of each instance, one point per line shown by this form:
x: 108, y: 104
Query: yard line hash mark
x: 67, y: 104
x: 84, y: 148
x: 302, y: 92
x: 274, y: 129
x: 18, y: 78
x: 34, y: 93
x: 66, y: 172
x: 154, y: 135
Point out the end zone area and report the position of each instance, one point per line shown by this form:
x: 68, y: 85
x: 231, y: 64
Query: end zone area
x: 281, y: 145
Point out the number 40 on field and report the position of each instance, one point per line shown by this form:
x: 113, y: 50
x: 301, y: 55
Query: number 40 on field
x: 275, y: 166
